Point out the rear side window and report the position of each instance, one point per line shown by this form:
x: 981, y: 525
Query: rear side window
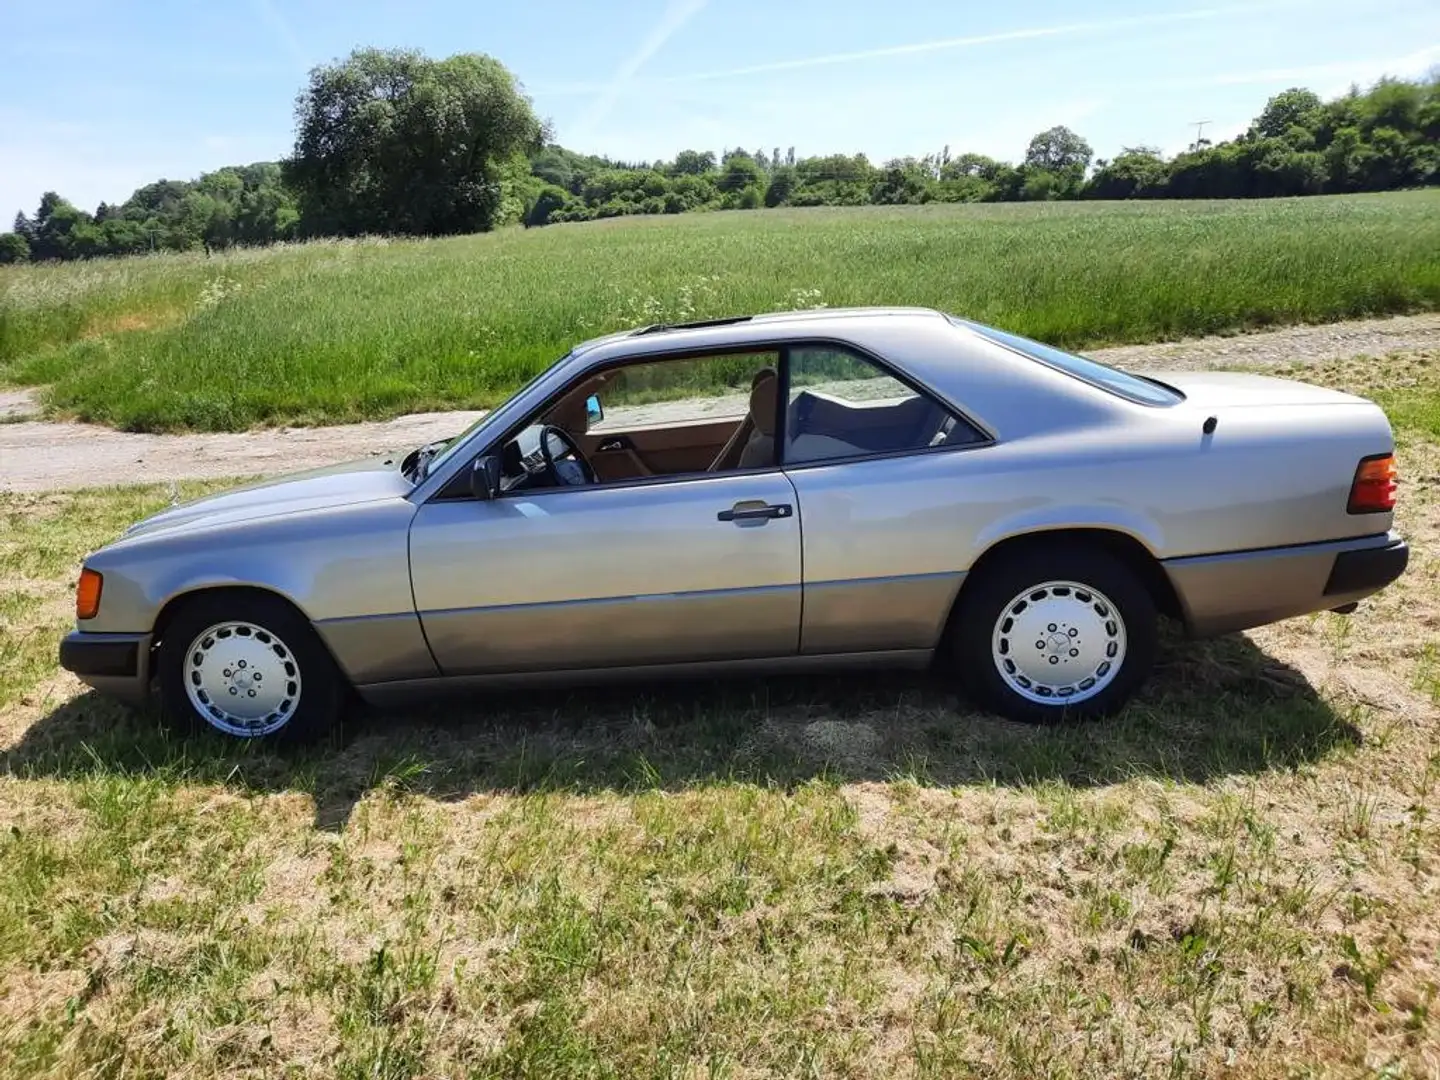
x: 842, y: 405
x: 1121, y: 383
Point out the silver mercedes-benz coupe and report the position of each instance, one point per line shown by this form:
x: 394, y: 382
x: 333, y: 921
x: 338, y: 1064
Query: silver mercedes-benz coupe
x: 778, y: 492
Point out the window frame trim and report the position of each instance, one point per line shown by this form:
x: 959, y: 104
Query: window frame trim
x: 782, y: 347
x: 987, y: 438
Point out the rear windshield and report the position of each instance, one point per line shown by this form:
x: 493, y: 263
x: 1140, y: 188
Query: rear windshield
x: 1133, y: 387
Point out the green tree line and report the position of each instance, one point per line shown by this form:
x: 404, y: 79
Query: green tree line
x: 391, y: 142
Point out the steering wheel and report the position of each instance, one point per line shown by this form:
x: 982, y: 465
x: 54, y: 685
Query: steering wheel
x: 571, y: 455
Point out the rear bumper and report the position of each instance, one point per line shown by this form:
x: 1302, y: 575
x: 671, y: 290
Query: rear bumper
x: 1367, y: 570
x: 1239, y: 590
x: 114, y: 664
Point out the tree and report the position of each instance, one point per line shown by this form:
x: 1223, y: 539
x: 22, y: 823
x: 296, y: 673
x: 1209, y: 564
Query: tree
x: 393, y: 142
x: 1136, y: 172
x: 781, y: 186
x: 13, y: 248
x: 1392, y: 103
x: 1289, y: 108
x: 973, y: 165
x: 740, y: 172
x: 52, y: 233
x: 903, y: 180
x: 265, y: 211
x: 1059, y: 150
x: 1041, y: 185
x: 693, y: 163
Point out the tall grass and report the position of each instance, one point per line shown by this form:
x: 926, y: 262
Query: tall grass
x: 342, y: 331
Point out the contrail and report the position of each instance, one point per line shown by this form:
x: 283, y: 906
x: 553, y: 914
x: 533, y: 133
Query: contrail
x: 270, y: 15
x: 677, y: 14
x: 941, y: 44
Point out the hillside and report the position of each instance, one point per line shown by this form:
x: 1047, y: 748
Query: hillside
x: 335, y: 331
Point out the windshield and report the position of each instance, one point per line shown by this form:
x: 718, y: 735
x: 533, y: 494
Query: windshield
x: 447, y: 449
x: 1126, y: 385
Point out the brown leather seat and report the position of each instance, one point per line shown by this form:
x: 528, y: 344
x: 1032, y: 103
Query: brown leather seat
x: 760, y: 448
x: 753, y: 444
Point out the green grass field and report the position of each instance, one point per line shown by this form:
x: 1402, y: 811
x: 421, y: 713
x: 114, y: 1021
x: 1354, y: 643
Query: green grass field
x: 343, y: 331
x: 787, y: 877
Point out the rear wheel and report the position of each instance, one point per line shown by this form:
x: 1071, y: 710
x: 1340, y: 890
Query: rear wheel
x: 249, y: 666
x: 1046, y: 635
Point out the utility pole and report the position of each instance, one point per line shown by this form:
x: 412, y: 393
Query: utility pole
x: 1199, y: 126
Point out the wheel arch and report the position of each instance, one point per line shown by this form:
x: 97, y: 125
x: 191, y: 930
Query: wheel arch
x: 167, y: 612
x: 1122, y: 546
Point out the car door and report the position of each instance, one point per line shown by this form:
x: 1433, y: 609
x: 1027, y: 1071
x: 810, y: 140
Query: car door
x: 667, y: 571
x: 874, y: 465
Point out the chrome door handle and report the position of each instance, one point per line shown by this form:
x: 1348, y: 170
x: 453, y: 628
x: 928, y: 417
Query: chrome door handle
x: 755, y: 512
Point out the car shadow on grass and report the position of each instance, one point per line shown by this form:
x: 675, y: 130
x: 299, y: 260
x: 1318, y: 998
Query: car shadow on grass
x: 1211, y: 709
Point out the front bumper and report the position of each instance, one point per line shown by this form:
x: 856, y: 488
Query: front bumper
x: 1242, y: 589
x: 114, y: 664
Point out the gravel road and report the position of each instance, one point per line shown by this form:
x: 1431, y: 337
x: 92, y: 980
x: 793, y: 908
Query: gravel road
x: 37, y: 455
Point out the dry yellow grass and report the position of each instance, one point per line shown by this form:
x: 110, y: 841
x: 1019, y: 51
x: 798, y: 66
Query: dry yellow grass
x: 1239, y: 877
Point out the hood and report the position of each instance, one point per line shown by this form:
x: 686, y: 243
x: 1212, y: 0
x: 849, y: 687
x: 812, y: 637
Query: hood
x: 1234, y: 389
x: 351, y: 483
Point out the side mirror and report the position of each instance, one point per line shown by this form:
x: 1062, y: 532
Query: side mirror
x: 594, y: 413
x: 485, y: 477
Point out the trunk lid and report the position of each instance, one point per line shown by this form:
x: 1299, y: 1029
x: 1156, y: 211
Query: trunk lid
x: 1240, y: 390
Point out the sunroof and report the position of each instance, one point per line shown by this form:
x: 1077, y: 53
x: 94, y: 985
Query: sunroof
x: 660, y: 327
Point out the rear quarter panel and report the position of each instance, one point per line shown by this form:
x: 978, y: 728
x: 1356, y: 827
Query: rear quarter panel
x: 893, y: 537
x: 1267, y: 477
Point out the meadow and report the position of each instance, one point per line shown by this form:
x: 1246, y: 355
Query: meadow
x: 338, y: 331
x: 790, y: 877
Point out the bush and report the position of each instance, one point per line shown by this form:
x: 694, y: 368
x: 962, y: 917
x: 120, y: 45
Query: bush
x: 13, y: 248
x: 552, y: 199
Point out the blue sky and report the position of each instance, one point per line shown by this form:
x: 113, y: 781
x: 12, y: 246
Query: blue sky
x: 121, y: 92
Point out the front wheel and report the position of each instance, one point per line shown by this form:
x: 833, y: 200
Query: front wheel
x: 1046, y: 635
x: 249, y: 666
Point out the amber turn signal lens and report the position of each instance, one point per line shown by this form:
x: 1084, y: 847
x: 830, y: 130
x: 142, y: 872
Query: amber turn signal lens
x: 87, y: 594
x: 1373, y: 491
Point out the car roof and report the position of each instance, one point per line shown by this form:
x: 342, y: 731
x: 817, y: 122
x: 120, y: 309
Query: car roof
x: 734, y: 329
x: 998, y: 388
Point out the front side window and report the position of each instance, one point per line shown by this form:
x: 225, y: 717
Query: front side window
x: 842, y: 405
x: 656, y: 417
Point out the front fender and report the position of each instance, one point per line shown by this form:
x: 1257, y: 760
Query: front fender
x: 339, y: 563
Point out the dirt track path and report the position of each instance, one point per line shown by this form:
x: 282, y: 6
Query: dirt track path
x: 36, y: 455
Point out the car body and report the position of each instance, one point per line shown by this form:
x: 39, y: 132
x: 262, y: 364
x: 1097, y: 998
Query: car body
x: 1223, y: 500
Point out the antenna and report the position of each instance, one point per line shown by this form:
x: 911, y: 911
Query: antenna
x: 1199, y: 126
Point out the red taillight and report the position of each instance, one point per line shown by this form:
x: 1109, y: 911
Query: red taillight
x: 87, y: 594
x: 1373, y: 491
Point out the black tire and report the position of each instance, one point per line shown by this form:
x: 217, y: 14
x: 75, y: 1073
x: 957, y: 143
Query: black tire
x: 322, y: 687
x: 985, y: 598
